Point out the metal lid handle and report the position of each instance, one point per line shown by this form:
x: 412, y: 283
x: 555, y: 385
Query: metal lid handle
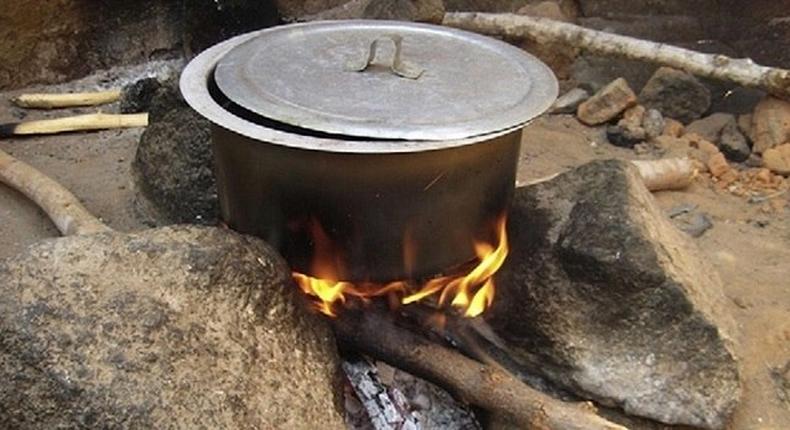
x: 397, y: 66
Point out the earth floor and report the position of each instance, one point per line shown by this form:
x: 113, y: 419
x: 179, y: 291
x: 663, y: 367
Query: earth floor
x: 749, y: 246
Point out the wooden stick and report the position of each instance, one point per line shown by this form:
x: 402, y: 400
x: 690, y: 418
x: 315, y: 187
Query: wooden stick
x: 657, y: 175
x: 716, y: 66
x: 94, y: 121
x: 483, y: 385
x: 50, y: 101
x: 62, y: 207
x: 666, y: 174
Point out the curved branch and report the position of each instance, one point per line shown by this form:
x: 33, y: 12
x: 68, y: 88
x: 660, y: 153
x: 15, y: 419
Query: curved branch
x: 62, y: 207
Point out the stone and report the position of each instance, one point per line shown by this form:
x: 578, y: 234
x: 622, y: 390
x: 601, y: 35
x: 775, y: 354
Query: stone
x: 717, y: 165
x: 705, y: 146
x: 570, y: 101
x: 173, y: 165
x: 745, y: 124
x: 484, y: 5
x: 653, y: 123
x: 431, y: 11
x: 406, y: 10
x: 671, y: 147
x: 628, y: 132
x: 777, y: 159
x: 150, y: 95
x: 607, y: 103
x: 676, y: 94
x: 697, y: 225
x: 175, y: 327
x: 754, y: 160
x: 733, y: 144
x: 602, y: 295
x: 558, y: 56
x: 594, y: 72
x: 545, y: 9
x: 633, y: 116
x: 623, y: 137
x: 710, y: 127
x: 770, y: 124
x: 673, y: 128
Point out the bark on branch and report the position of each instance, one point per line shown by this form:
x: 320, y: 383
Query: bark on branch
x: 741, y: 71
x: 486, y: 386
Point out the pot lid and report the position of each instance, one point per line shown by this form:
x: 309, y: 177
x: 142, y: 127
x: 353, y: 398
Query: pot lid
x: 386, y: 80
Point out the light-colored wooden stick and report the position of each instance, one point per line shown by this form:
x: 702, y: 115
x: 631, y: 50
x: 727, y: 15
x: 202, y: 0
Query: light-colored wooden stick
x: 742, y: 71
x: 62, y: 207
x: 94, y: 121
x: 483, y: 385
x: 657, y: 175
x: 51, y: 101
x: 666, y: 174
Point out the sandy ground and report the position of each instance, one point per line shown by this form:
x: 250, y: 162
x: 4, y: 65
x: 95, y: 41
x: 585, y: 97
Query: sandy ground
x: 750, y: 248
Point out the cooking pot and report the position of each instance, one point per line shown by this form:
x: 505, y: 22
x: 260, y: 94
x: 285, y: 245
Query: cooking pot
x: 396, y: 142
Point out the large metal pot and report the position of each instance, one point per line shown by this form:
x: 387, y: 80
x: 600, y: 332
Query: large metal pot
x: 374, y: 183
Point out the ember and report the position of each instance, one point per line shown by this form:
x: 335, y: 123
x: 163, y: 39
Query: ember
x: 470, y: 290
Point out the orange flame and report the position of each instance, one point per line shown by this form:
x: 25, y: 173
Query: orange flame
x: 471, y: 294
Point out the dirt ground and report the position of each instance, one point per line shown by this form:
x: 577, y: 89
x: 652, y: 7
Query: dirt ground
x: 749, y: 247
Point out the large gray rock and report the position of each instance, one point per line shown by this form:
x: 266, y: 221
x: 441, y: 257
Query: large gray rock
x: 178, y: 327
x: 711, y: 126
x: 676, y: 94
x: 606, y: 298
x: 733, y: 144
x: 173, y: 165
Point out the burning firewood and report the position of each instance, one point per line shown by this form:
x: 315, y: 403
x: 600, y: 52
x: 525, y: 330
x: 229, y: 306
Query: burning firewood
x: 52, y: 101
x: 741, y: 71
x: 94, y: 121
x: 483, y: 385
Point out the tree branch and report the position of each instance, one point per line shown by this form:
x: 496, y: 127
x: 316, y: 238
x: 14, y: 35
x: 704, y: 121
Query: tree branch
x: 741, y: 71
x: 486, y: 386
x: 62, y: 207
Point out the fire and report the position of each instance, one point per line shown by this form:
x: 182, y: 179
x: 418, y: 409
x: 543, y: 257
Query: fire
x: 470, y: 293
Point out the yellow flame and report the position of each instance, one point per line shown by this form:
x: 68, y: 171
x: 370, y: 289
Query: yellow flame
x: 470, y: 294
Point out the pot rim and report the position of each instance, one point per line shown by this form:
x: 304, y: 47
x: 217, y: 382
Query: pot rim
x: 194, y: 85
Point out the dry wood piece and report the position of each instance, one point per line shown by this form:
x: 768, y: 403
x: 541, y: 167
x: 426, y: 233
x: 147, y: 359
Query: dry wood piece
x: 741, y: 71
x: 94, y: 121
x: 488, y: 387
x: 62, y: 207
x: 51, y: 101
x: 657, y: 175
x: 666, y: 174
